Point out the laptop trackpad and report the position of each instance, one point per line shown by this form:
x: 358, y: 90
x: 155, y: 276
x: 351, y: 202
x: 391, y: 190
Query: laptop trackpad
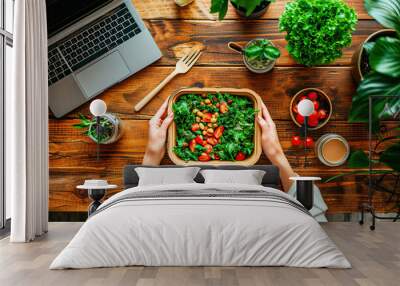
x: 102, y: 74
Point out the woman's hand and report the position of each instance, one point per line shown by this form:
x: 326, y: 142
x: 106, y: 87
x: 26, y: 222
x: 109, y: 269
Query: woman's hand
x: 272, y: 147
x: 269, y: 139
x: 158, y: 127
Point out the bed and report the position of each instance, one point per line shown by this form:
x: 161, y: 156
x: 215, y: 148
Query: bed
x: 198, y: 224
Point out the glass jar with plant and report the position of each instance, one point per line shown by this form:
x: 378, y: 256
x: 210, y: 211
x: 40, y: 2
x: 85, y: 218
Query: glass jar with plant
x: 259, y: 55
x: 250, y: 9
x: 317, y: 30
x: 110, y: 129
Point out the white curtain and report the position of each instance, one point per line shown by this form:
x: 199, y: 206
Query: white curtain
x: 27, y: 124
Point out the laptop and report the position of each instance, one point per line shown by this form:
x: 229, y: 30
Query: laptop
x: 93, y: 44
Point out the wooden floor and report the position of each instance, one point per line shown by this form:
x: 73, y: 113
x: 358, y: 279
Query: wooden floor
x: 375, y: 257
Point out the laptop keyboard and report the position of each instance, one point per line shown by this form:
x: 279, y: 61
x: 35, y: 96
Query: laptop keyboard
x: 58, y: 69
x: 90, y: 42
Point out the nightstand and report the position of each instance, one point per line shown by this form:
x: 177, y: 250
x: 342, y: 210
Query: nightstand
x: 97, y: 189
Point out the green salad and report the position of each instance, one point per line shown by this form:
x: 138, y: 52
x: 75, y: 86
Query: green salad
x: 216, y: 126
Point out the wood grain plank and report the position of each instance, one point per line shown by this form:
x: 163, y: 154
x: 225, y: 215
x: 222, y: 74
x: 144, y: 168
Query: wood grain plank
x: 176, y: 37
x: 276, y: 88
x: 199, y: 9
x: 69, y: 148
x: 73, y: 158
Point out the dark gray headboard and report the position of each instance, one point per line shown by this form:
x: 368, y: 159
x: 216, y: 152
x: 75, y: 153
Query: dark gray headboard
x: 271, y: 177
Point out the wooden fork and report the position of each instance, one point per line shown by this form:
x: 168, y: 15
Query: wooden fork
x: 182, y: 66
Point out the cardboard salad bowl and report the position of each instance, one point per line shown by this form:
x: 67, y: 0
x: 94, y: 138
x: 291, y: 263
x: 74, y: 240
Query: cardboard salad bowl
x: 250, y: 160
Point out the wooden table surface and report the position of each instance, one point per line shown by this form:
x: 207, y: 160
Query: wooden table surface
x: 176, y: 30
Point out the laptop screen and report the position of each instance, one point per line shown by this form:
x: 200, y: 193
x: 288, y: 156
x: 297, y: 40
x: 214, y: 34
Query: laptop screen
x: 62, y: 13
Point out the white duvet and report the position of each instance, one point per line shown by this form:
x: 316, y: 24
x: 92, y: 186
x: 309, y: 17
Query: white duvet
x: 200, y: 231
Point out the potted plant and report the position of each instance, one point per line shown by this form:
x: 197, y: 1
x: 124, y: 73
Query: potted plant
x: 360, y: 59
x: 245, y: 8
x: 317, y: 30
x: 383, y: 77
x: 110, y: 128
x: 259, y: 55
x: 378, y: 10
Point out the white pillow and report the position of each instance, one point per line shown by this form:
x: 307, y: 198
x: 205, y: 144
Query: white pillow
x: 166, y: 176
x: 247, y: 177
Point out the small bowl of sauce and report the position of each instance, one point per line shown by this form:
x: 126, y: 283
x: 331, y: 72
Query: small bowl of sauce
x: 332, y: 149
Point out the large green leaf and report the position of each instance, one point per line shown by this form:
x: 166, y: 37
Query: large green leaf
x: 220, y: 7
x: 384, y: 57
x: 368, y: 47
x: 358, y: 159
x: 391, y: 157
x: 386, y: 12
x: 378, y: 85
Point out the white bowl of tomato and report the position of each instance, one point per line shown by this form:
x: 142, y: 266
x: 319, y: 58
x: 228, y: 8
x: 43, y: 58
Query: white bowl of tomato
x: 322, y: 108
x: 214, y: 126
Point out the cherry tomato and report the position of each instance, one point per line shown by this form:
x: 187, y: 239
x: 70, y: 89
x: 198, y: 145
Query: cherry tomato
x: 322, y: 114
x: 314, y: 116
x: 223, y: 107
x: 204, y: 157
x: 207, y: 117
x: 212, y: 141
x: 216, y: 157
x: 316, y: 105
x: 302, y: 98
x: 296, y: 141
x: 313, y: 123
x: 312, y: 95
x: 199, y: 140
x: 209, y: 148
x: 192, y: 145
x: 195, y: 127
x: 294, y: 109
x: 218, y: 131
x: 299, y: 119
x: 240, y: 156
x: 309, y: 142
